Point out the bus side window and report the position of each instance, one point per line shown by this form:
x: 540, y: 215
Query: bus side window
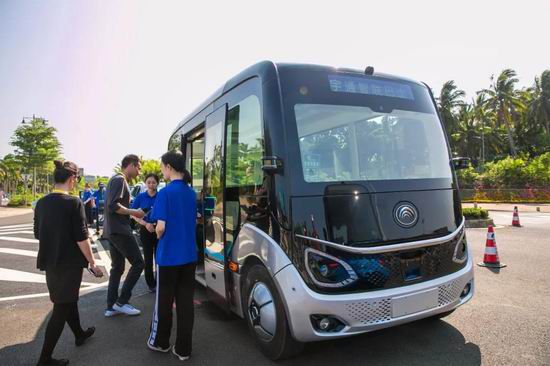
x: 244, y: 175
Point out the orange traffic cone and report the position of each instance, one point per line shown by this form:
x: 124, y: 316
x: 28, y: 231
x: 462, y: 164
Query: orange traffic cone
x: 490, y: 259
x: 515, y: 217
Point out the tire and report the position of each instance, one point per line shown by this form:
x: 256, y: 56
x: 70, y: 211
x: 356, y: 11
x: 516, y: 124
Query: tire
x: 266, y: 319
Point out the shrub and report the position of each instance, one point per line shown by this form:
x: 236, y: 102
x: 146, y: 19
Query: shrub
x: 467, y: 178
x: 17, y: 200
x: 506, y: 173
x: 538, y: 171
x: 472, y: 213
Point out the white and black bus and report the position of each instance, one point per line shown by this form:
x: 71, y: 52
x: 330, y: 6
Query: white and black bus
x: 328, y: 203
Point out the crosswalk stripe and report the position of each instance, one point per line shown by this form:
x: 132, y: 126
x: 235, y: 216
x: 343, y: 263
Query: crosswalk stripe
x: 21, y: 240
x: 20, y: 276
x: 88, y: 289
x: 105, y: 260
x: 16, y: 232
x: 26, y: 253
x: 12, y: 275
x: 16, y: 226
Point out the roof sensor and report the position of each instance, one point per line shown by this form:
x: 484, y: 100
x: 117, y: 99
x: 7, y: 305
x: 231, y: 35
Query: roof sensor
x: 369, y: 70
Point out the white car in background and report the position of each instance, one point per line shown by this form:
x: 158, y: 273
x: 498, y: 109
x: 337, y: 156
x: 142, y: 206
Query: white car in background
x: 141, y: 187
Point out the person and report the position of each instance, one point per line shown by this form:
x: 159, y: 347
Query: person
x: 122, y: 243
x: 63, y: 251
x: 175, y: 213
x: 99, y: 198
x: 146, y: 201
x: 2, y: 195
x: 88, y: 199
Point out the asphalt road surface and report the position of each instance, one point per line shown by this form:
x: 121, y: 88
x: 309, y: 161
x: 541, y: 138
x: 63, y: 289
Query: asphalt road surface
x: 506, y: 323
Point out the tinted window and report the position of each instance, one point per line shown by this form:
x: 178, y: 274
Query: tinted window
x: 244, y: 146
x: 351, y: 143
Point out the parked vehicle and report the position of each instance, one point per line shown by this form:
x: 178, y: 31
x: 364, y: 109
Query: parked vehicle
x: 328, y: 203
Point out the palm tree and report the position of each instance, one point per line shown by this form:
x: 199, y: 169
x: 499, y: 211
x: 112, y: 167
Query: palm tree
x: 466, y: 132
x: 490, y: 140
x: 11, y: 168
x: 502, y: 98
x: 539, y: 109
x: 450, y: 99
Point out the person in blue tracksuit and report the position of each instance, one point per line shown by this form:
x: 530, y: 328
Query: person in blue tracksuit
x: 88, y: 200
x: 175, y: 211
x: 147, y: 235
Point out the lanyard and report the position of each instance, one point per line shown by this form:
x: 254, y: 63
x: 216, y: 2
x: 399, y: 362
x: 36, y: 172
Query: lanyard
x: 60, y: 191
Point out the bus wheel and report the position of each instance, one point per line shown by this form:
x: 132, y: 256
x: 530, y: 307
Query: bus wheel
x: 265, y: 315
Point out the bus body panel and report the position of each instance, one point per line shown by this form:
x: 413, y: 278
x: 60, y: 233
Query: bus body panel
x: 297, y: 207
x: 255, y: 243
x: 366, y: 311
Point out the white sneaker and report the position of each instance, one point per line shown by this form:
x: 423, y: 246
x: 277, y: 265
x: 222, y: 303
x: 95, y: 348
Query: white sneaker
x: 158, y: 349
x: 181, y: 358
x: 111, y: 312
x: 126, y: 309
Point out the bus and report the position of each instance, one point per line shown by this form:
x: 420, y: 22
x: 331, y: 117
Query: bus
x: 328, y: 203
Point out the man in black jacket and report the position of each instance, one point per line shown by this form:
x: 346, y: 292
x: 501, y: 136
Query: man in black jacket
x: 123, y: 244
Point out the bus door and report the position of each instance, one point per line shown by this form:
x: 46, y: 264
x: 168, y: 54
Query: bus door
x: 213, y: 207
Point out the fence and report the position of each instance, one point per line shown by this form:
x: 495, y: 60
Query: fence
x: 535, y: 195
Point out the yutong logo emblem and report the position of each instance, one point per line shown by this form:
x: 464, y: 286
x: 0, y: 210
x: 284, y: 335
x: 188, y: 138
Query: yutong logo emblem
x: 405, y: 214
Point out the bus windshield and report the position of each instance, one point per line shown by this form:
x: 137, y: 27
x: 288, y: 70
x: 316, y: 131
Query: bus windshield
x: 355, y: 143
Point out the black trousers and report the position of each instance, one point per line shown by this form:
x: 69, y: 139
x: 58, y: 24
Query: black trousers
x: 89, y: 216
x: 174, y: 283
x: 61, y: 314
x: 149, y: 242
x: 123, y: 247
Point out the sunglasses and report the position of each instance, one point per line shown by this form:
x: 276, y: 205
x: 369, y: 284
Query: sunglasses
x: 78, y: 178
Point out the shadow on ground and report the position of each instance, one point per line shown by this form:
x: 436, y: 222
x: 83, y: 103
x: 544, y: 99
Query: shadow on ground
x: 221, y: 339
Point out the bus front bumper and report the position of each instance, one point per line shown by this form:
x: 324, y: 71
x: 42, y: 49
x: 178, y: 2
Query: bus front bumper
x: 368, y: 311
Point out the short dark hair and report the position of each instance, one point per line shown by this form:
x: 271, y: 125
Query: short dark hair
x: 152, y: 175
x: 64, y: 170
x: 129, y: 159
x: 177, y: 161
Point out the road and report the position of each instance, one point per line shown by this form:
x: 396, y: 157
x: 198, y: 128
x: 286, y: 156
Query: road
x: 506, y: 323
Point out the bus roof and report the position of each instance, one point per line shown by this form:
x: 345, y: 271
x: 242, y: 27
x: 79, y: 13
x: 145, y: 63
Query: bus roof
x: 264, y: 68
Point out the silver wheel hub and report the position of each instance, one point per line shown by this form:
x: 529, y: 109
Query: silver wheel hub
x: 261, y: 310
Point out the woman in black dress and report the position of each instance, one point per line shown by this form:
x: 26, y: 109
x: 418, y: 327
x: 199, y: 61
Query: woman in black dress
x: 64, y: 250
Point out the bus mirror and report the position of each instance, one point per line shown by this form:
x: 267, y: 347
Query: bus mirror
x: 271, y: 164
x: 461, y: 163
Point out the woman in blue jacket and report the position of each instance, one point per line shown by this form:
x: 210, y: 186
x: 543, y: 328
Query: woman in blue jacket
x: 147, y: 235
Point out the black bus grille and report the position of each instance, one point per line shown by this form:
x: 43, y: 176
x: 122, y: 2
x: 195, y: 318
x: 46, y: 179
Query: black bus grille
x: 395, y: 269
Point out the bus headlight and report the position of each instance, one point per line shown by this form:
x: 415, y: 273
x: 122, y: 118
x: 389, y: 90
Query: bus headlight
x: 326, y: 270
x: 461, y: 250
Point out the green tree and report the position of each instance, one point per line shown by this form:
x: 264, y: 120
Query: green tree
x: 11, y: 176
x: 539, y: 109
x: 35, y: 144
x: 467, y: 133
x: 449, y: 101
x: 502, y: 98
x: 150, y: 166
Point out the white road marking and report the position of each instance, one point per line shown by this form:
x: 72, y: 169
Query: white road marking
x: 26, y: 253
x: 20, y: 276
x: 90, y: 288
x: 20, y: 240
x: 29, y: 226
x: 17, y: 232
x: 105, y: 260
x: 12, y: 275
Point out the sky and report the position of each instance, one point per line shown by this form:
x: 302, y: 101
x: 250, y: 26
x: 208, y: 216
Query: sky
x: 116, y: 77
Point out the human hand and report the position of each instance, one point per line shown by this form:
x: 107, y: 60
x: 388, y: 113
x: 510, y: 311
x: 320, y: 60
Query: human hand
x: 95, y: 270
x: 150, y: 227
